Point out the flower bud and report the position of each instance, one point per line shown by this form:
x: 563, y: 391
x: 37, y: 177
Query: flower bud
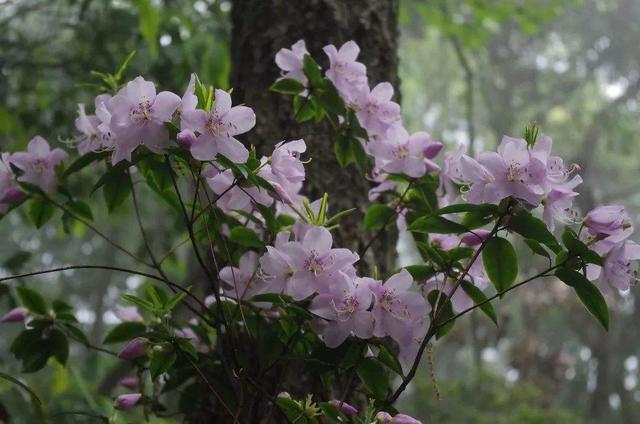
x: 383, y: 418
x: 186, y: 138
x: 18, y: 314
x: 131, y: 383
x: 476, y: 237
x: 344, y: 407
x: 605, y: 220
x: 12, y: 195
x: 432, y: 149
x: 404, y: 419
x: 128, y: 401
x: 134, y: 349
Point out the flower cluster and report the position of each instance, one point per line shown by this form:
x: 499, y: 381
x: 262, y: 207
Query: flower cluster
x: 393, y: 149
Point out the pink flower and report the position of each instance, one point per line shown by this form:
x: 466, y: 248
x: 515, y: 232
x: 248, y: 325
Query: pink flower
x: 315, y: 263
x: 344, y: 407
x: 290, y: 61
x: 385, y: 418
x: 231, y: 196
x: 616, y: 272
x: 375, y: 110
x: 397, y: 152
x: 344, y: 72
x: 95, y: 130
x: 275, y: 265
x: 397, y: 311
x: 128, y: 401
x: 134, y: 349
x: 216, y: 129
x: 606, y: 220
x: 38, y: 164
x: 243, y: 281
x: 18, y: 314
x: 345, y: 306
x: 558, y: 202
x: 517, y: 172
x: 189, y: 100
x: 138, y: 116
x: 476, y: 237
x: 131, y: 383
x: 9, y: 192
x: 482, y: 183
x: 186, y: 138
x: 285, y: 171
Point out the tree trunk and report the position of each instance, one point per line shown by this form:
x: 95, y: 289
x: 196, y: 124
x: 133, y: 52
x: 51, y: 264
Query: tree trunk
x: 260, y: 29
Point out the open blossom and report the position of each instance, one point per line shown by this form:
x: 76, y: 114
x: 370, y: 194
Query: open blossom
x: 516, y: 171
x: 128, y: 401
x: 94, y: 129
x: 216, y: 129
x: 375, y: 110
x: 314, y: 262
x: 138, y: 115
x: 558, y: 202
x: 344, y: 305
x: 290, y: 61
x: 397, y: 152
x: 348, y: 75
x: 38, y: 164
x: 275, y: 266
x: 396, y: 309
x: 189, y: 100
x: 9, y: 191
x: 232, y: 197
x: 243, y: 281
x: 285, y: 171
x: 482, y: 184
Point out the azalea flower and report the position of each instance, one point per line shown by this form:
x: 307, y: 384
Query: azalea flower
x: 18, y: 314
x: 375, y: 110
x: 348, y: 75
x: 216, y: 129
x: 291, y: 62
x: 9, y: 192
x: 136, y: 348
x: 345, y: 306
x: 38, y: 164
x: 128, y: 401
x: 397, y: 152
x: 138, y: 116
x: 243, y: 281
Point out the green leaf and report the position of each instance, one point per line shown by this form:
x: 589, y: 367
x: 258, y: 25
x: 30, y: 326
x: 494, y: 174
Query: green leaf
x: 389, y: 359
x: 245, y: 237
x: 83, y: 161
x: 80, y: 209
x: 483, y: 209
x: 124, y: 332
x: 577, y: 248
x: 32, y: 300
x: 287, y: 86
x: 537, y: 248
x: 420, y: 272
x: 312, y: 70
x: 59, y: 345
x: 436, y: 224
x: 173, y: 302
x: 37, y: 358
x: 144, y: 304
x: 342, y: 150
x: 40, y: 211
x: 373, y: 375
x: 161, y: 361
x: 478, y: 297
x: 303, y: 108
x: 444, y: 311
x: 533, y: 228
x: 25, y: 342
x: 377, y: 216
x: 500, y: 263
x: 478, y: 218
x: 116, y: 189
x: 290, y: 408
x: 588, y: 293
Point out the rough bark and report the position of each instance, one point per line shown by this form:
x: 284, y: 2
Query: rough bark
x: 260, y: 29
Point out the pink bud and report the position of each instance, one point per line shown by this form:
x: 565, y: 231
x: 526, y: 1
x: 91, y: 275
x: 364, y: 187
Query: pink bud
x: 130, y: 383
x: 432, y: 149
x: 128, y: 313
x: 186, y: 138
x: 383, y: 418
x: 12, y: 195
x: 476, y: 237
x: 18, y: 314
x: 344, y: 407
x: 134, y: 349
x: 404, y: 419
x: 128, y: 401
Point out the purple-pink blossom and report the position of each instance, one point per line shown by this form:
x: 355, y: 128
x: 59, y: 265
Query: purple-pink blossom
x: 348, y: 75
x: 135, y: 348
x: 131, y: 383
x: 344, y: 407
x: 345, y: 307
x: 138, y: 115
x: 9, y: 192
x: 397, y: 152
x: 38, y: 164
x: 375, y: 110
x: 216, y: 129
x: 128, y: 401
x: 290, y: 61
